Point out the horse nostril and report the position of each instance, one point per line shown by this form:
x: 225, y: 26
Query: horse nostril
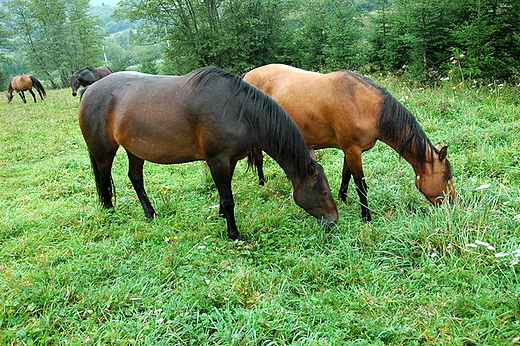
x: 332, y: 224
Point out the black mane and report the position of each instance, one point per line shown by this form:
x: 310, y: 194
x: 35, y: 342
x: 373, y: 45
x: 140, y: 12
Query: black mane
x: 271, y: 128
x: 398, y: 125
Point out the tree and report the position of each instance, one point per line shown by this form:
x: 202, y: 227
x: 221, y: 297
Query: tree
x: 489, y: 38
x: 234, y: 34
x: 421, y: 36
x: 4, y: 46
x: 57, y: 36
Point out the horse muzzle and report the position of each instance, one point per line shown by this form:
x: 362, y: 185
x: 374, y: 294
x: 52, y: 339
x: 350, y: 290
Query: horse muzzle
x: 327, y: 222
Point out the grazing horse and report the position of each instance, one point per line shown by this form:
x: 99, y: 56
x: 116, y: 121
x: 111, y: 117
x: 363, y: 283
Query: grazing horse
x: 88, y: 75
x: 209, y: 114
x: 347, y: 111
x: 25, y: 83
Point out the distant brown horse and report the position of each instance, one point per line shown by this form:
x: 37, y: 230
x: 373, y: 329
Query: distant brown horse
x: 88, y: 75
x: 25, y: 83
x: 209, y: 115
x: 346, y: 111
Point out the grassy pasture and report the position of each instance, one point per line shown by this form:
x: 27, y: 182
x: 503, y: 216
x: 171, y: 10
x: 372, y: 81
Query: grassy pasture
x: 72, y: 274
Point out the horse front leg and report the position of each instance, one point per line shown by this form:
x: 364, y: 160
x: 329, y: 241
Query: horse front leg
x: 22, y: 96
x: 353, y: 159
x: 135, y: 174
x: 222, y: 172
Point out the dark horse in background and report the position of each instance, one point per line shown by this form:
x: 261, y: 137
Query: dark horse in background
x: 88, y: 75
x: 25, y: 83
x: 346, y: 111
x: 210, y: 115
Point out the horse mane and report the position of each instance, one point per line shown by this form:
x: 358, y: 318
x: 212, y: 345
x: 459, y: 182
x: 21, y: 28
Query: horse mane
x: 270, y: 126
x: 398, y: 125
x: 94, y: 71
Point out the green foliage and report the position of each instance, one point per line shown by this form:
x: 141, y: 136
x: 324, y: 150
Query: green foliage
x: 420, y: 37
x: 57, y: 37
x: 72, y: 274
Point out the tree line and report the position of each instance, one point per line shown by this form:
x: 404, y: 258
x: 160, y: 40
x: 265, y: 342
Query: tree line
x: 424, y: 39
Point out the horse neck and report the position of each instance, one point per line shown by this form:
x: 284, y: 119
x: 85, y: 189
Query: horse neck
x: 401, y: 131
x: 279, y: 137
x: 417, y: 158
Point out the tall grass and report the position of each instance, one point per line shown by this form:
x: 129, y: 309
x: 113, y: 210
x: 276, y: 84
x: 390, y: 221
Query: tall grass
x: 72, y: 274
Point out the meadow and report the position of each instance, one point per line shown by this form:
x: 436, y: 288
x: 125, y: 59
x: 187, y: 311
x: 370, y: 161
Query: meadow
x: 74, y: 274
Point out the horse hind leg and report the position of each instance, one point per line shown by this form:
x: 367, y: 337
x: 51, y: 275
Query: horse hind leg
x: 255, y: 159
x: 33, y: 95
x: 353, y: 160
x: 345, y: 180
x: 135, y: 174
x: 22, y: 96
x: 40, y: 93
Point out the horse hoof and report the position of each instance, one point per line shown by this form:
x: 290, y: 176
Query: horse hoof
x: 236, y: 237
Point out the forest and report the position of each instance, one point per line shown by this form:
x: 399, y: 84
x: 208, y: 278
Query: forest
x: 425, y: 40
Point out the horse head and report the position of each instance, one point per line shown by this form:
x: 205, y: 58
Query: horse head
x: 74, y: 84
x: 9, y: 95
x: 435, y: 179
x: 313, y: 194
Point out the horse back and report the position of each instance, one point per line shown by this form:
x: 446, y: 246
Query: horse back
x: 22, y: 82
x: 339, y: 109
x: 155, y: 117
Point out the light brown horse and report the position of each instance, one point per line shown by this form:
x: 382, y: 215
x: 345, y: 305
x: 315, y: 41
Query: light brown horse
x: 209, y: 115
x: 346, y: 111
x: 25, y: 83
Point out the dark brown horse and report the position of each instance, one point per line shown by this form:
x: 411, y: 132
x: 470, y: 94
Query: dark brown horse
x: 25, y: 83
x: 88, y: 75
x: 346, y: 111
x: 209, y: 115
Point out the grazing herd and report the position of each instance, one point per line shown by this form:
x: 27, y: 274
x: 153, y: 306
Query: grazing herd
x: 215, y: 116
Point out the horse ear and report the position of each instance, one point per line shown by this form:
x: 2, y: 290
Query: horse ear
x: 443, y: 153
x: 312, y: 153
x: 312, y: 170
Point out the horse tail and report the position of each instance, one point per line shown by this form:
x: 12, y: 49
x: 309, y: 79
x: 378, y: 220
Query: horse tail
x: 255, y: 161
x: 38, y: 85
x: 104, y: 184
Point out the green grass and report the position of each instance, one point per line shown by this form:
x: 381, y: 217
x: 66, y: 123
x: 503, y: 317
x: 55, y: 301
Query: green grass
x: 72, y: 274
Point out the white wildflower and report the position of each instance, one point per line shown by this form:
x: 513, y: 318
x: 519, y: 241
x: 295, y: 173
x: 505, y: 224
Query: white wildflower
x: 483, y: 186
x: 483, y: 243
x: 200, y: 247
x: 433, y: 255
